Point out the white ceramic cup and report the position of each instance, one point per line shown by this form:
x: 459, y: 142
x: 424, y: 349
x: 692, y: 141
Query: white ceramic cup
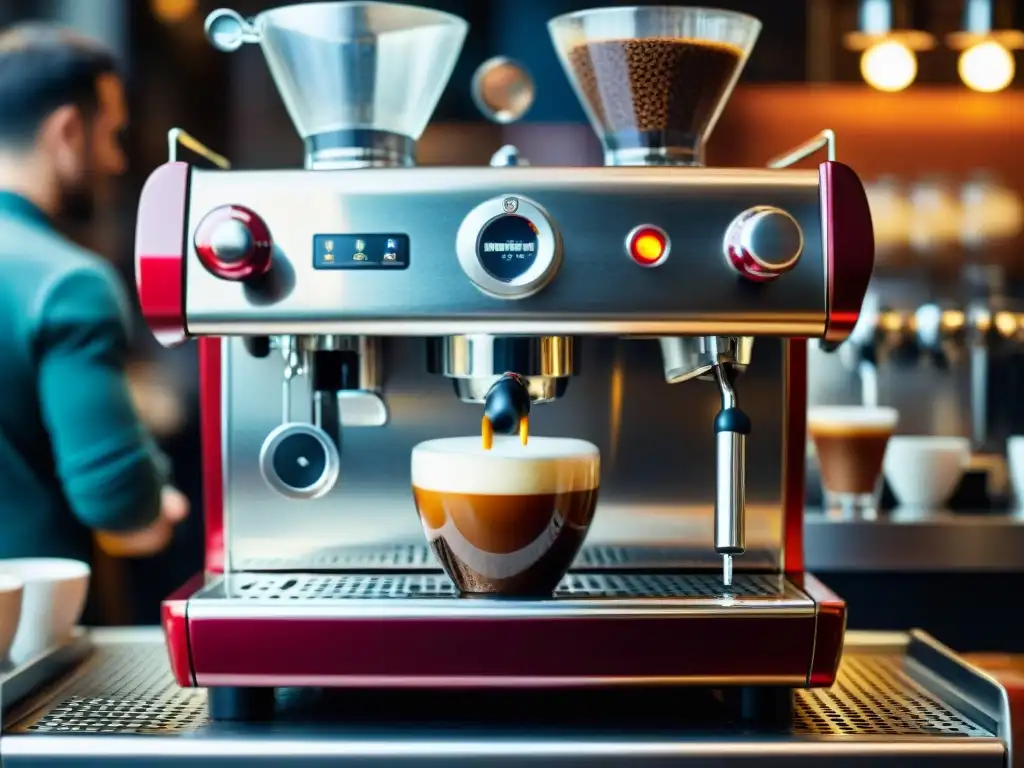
x: 11, y: 590
x: 923, y: 471
x: 1015, y: 464
x: 52, y: 602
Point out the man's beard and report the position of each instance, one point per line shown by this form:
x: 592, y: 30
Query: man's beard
x: 77, y: 206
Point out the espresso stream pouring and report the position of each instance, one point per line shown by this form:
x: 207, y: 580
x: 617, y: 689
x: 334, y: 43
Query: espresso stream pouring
x: 506, y: 410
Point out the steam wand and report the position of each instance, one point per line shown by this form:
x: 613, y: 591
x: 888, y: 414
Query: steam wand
x: 506, y: 409
x: 732, y: 426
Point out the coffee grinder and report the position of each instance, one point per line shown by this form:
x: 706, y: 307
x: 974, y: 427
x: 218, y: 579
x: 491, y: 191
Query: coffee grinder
x: 346, y: 284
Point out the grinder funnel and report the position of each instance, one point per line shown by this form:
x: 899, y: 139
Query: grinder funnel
x: 653, y: 80
x: 360, y: 80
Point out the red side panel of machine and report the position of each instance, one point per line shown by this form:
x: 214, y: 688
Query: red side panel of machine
x: 160, y: 252
x: 849, y: 246
x: 211, y: 416
x: 828, y: 640
x: 174, y: 618
x: 794, y: 442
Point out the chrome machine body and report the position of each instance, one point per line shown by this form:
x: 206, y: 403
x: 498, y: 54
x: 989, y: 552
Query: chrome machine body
x: 349, y: 310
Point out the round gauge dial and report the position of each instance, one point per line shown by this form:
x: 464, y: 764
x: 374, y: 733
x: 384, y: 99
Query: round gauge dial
x: 508, y: 247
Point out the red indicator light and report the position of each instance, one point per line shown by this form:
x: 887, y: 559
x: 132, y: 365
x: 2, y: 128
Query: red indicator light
x: 648, y: 246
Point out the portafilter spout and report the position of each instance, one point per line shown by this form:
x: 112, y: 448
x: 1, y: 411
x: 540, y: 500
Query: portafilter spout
x: 360, y: 80
x: 476, y: 362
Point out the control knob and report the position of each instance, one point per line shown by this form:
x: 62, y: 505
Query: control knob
x: 234, y: 243
x: 763, y: 242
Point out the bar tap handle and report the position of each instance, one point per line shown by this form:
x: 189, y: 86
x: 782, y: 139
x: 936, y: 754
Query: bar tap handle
x: 507, y: 408
x: 732, y: 426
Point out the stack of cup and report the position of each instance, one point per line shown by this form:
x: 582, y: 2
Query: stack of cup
x: 41, y: 601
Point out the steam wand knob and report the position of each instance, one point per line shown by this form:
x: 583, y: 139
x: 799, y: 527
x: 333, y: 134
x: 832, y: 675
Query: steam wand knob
x: 732, y: 426
x: 507, y: 408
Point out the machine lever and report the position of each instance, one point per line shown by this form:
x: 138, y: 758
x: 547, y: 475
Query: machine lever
x: 732, y: 426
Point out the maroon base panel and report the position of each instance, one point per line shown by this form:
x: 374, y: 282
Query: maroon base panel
x: 503, y: 651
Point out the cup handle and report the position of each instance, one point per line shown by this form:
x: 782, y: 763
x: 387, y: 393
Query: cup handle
x: 228, y: 30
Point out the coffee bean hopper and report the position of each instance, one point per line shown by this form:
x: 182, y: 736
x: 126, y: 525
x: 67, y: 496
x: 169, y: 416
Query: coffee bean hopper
x: 324, y: 299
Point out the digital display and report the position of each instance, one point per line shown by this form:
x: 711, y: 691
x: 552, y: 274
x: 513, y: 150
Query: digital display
x: 507, y: 247
x: 360, y: 251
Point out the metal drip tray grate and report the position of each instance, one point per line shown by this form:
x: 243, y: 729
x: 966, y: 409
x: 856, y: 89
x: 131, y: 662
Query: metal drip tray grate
x: 418, y: 557
x: 123, y: 688
x: 128, y: 689
x: 875, y: 694
x: 574, y: 586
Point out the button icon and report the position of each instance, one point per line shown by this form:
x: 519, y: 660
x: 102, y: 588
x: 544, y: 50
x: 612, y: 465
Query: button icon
x: 329, y: 257
x: 510, y: 205
x: 390, y: 257
x: 391, y: 245
x: 360, y: 246
x: 359, y: 257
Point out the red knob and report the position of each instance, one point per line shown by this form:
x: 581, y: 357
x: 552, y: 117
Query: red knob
x: 764, y: 242
x: 234, y: 243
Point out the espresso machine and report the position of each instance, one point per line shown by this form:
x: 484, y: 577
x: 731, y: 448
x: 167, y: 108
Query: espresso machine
x: 348, y: 310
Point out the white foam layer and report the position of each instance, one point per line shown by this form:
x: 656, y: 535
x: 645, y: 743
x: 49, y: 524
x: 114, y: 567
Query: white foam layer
x: 544, y: 465
x: 855, y: 416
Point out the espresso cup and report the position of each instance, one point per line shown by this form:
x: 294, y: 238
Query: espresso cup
x: 507, y: 521
x: 53, y: 598
x: 851, y: 442
x: 923, y: 471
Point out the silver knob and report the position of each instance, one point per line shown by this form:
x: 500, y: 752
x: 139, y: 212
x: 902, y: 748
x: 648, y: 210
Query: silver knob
x: 231, y: 241
x: 764, y: 242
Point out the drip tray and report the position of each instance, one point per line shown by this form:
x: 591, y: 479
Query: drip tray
x: 416, y: 556
x: 576, y: 589
x: 900, y: 701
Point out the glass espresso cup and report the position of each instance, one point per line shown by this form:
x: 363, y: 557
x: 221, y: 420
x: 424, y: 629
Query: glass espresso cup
x: 850, y: 442
x: 507, y: 521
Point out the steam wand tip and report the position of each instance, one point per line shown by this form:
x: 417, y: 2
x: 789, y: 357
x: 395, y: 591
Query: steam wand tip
x: 727, y: 570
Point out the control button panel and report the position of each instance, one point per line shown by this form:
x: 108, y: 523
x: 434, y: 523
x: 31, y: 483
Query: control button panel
x: 234, y: 243
x: 508, y: 247
x: 648, y: 245
x: 370, y: 251
x: 764, y: 242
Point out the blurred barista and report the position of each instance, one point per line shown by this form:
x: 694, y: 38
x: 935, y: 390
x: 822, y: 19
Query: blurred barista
x: 75, y: 461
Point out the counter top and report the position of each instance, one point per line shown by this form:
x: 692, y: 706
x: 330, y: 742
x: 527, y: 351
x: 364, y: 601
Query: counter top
x: 900, y: 700
x: 915, y: 542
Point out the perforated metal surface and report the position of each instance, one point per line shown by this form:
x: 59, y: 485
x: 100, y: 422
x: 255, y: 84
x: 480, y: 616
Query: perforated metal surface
x: 128, y: 689
x: 123, y: 688
x: 574, y: 586
x: 418, y: 557
x: 875, y: 694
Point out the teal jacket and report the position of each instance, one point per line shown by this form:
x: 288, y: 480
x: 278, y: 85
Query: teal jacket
x: 73, y: 453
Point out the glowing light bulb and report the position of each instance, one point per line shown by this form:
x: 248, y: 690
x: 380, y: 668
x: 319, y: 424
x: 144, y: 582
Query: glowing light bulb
x: 173, y: 11
x: 888, y: 66
x: 987, y: 67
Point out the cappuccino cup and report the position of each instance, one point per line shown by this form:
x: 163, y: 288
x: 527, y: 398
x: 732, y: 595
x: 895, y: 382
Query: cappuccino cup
x: 507, y: 521
x: 851, y: 442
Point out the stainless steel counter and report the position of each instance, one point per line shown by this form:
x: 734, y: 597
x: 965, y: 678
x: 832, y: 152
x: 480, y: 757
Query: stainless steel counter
x: 915, y: 542
x: 901, y: 700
